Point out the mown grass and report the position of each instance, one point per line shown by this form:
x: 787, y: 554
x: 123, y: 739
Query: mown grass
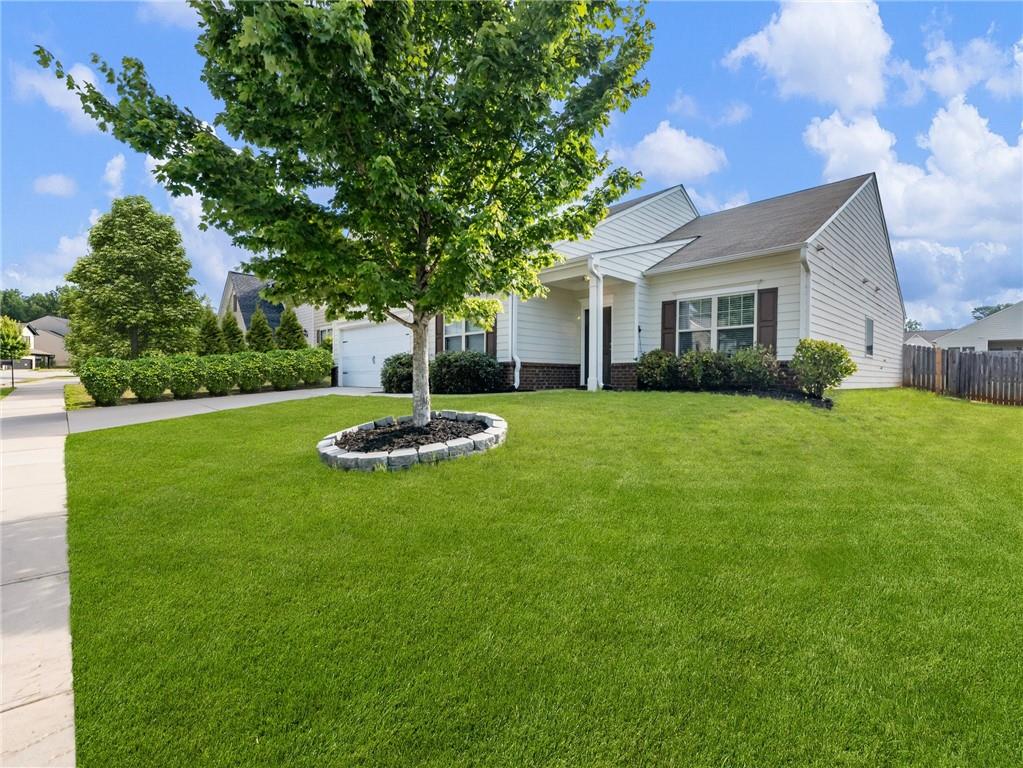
x: 634, y: 579
x: 5, y: 391
x: 76, y: 397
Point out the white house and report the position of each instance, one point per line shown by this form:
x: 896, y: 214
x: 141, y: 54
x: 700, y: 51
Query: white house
x: 924, y: 338
x: 1001, y: 331
x: 815, y: 263
x: 241, y: 297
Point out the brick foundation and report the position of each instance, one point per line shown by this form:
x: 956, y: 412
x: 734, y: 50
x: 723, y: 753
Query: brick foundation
x: 623, y: 376
x: 542, y: 375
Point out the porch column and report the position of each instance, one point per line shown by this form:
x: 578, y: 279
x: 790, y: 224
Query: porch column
x: 595, y: 341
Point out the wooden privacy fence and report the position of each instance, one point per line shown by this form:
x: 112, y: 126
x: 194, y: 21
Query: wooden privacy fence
x: 994, y: 377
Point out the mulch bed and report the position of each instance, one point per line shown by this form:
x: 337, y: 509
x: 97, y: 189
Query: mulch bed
x: 408, y: 436
x: 785, y: 394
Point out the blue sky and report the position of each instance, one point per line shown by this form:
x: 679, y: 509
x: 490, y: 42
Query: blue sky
x: 747, y: 101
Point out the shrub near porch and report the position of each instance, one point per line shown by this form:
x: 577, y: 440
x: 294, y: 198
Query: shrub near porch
x: 634, y: 578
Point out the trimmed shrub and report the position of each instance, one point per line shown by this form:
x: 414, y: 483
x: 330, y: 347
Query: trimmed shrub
x: 465, y: 373
x: 754, y: 368
x: 283, y: 368
x: 327, y: 343
x: 314, y: 365
x: 104, y: 378
x: 219, y: 373
x: 149, y: 378
x: 186, y: 375
x: 704, y: 369
x: 820, y: 365
x: 396, y: 373
x: 252, y: 369
x: 289, y: 333
x: 657, y: 369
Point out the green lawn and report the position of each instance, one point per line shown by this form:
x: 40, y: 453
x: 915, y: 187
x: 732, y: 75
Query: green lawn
x: 5, y: 391
x: 633, y: 579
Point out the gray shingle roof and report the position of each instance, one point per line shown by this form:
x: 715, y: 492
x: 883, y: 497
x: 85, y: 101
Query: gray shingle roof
x: 927, y: 335
x: 779, y: 221
x: 51, y: 323
x: 247, y: 288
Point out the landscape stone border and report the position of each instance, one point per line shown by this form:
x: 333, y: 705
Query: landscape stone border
x: 404, y: 458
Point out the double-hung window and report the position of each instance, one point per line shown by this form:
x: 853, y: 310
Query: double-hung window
x: 725, y: 323
x: 868, y: 337
x: 461, y: 335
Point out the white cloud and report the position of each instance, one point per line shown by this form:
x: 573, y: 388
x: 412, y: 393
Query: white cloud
x: 710, y: 203
x: 41, y: 83
x: 670, y: 154
x: 56, y: 184
x: 833, y: 52
x: 952, y: 71
x: 170, y: 13
x: 735, y: 113
x: 970, y: 187
x: 45, y: 271
x: 113, y: 175
x: 683, y: 104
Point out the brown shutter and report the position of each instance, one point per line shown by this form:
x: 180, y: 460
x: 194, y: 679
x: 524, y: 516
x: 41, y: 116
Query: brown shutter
x: 669, y: 317
x: 440, y: 332
x: 767, y: 318
x: 492, y: 340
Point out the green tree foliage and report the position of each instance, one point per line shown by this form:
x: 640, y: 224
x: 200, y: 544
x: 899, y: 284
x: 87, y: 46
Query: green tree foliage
x: 211, y: 337
x: 913, y: 325
x: 27, y: 307
x: 289, y: 333
x: 457, y: 140
x: 132, y: 292
x: 233, y: 335
x: 13, y: 345
x: 260, y: 337
x: 979, y: 313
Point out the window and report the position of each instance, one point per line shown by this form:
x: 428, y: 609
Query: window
x: 868, y: 337
x: 462, y: 335
x: 321, y: 334
x: 725, y: 323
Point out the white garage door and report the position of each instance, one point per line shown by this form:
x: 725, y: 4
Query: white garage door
x: 363, y: 351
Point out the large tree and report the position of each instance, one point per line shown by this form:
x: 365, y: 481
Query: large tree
x: 394, y: 160
x: 13, y: 344
x: 132, y: 293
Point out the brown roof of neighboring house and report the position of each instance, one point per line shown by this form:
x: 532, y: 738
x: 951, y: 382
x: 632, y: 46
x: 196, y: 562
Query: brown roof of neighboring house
x: 927, y: 335
x: 767, y: 224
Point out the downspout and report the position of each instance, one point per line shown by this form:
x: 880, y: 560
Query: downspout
x: 804, y: 293
x: 596, y: 320
x: 513, y: 342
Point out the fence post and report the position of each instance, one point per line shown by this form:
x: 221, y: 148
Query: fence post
x: 938, y: 369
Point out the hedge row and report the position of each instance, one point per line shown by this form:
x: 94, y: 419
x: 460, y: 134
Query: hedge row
x: 106, y: 379
x: 815, y: 367
x: 451, y: 373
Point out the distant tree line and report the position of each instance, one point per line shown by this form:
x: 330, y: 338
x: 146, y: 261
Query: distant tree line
x: 27, y: 307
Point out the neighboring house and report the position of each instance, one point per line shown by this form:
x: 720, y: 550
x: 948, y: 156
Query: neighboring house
x: 923, y: 338
x: 241, y: 297
x: 815, y: 263
x: 999, y: 332
x: 50, y: 332
x: 36, y: 357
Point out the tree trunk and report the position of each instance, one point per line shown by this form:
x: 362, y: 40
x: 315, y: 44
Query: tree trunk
x: 420, y: 373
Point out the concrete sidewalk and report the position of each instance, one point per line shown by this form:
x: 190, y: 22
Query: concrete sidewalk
x: 36, y: 702
x: 89, y: 419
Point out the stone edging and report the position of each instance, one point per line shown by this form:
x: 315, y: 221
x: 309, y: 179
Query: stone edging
x: 403, y: 458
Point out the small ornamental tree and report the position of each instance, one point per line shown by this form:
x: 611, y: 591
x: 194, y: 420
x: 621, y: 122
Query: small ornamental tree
x: 211, y: 337
x: 132, y: 293
x: 820, y: 365
x: 456, y: 139
x: 260, y: 337
x: 289, y: 333
x: 234, y: 338
x: 13, y: 345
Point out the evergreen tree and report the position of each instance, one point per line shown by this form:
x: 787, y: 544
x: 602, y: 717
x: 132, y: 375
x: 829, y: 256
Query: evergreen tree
x: 260, y: 336
x: 233, y: 336
x: 211, y: 338
x: 289, y: 334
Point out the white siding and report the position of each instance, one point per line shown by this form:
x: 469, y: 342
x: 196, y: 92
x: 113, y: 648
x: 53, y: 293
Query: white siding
x: 852, y: 279
x: 644, y: 223
x: 780, y: 271
x: 634, y: 263
x: 548, y: 329
x: 304, y: 312
x: 623, y: 321
x: 1005, y: 325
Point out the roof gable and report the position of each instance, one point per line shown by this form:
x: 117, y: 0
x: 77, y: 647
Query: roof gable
x: 787, y: 220
x: 246, y: 289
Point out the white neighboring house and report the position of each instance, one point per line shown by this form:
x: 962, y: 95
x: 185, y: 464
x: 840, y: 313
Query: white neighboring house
x: 815, y: 263
x: 998, y: 332
x: 924, y: 338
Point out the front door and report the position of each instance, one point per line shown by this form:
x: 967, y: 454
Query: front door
x: 606, y: 356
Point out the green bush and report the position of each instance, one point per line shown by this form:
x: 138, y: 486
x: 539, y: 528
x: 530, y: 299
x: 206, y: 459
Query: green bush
x: 104, y: 378
x: 704, y: 369
x: 820, y: 365
x: 754, y: 368
x: 396, y: 373
x: 252, y: 369
x: 186, y: 375
x: 219, y: 373
x: 149, y: 378
x: 314, y: 365
x: 657, y: 369
x: 465, y: 373
x: 327, y: 343
x: 283, y: 368
x: 289, y: 333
